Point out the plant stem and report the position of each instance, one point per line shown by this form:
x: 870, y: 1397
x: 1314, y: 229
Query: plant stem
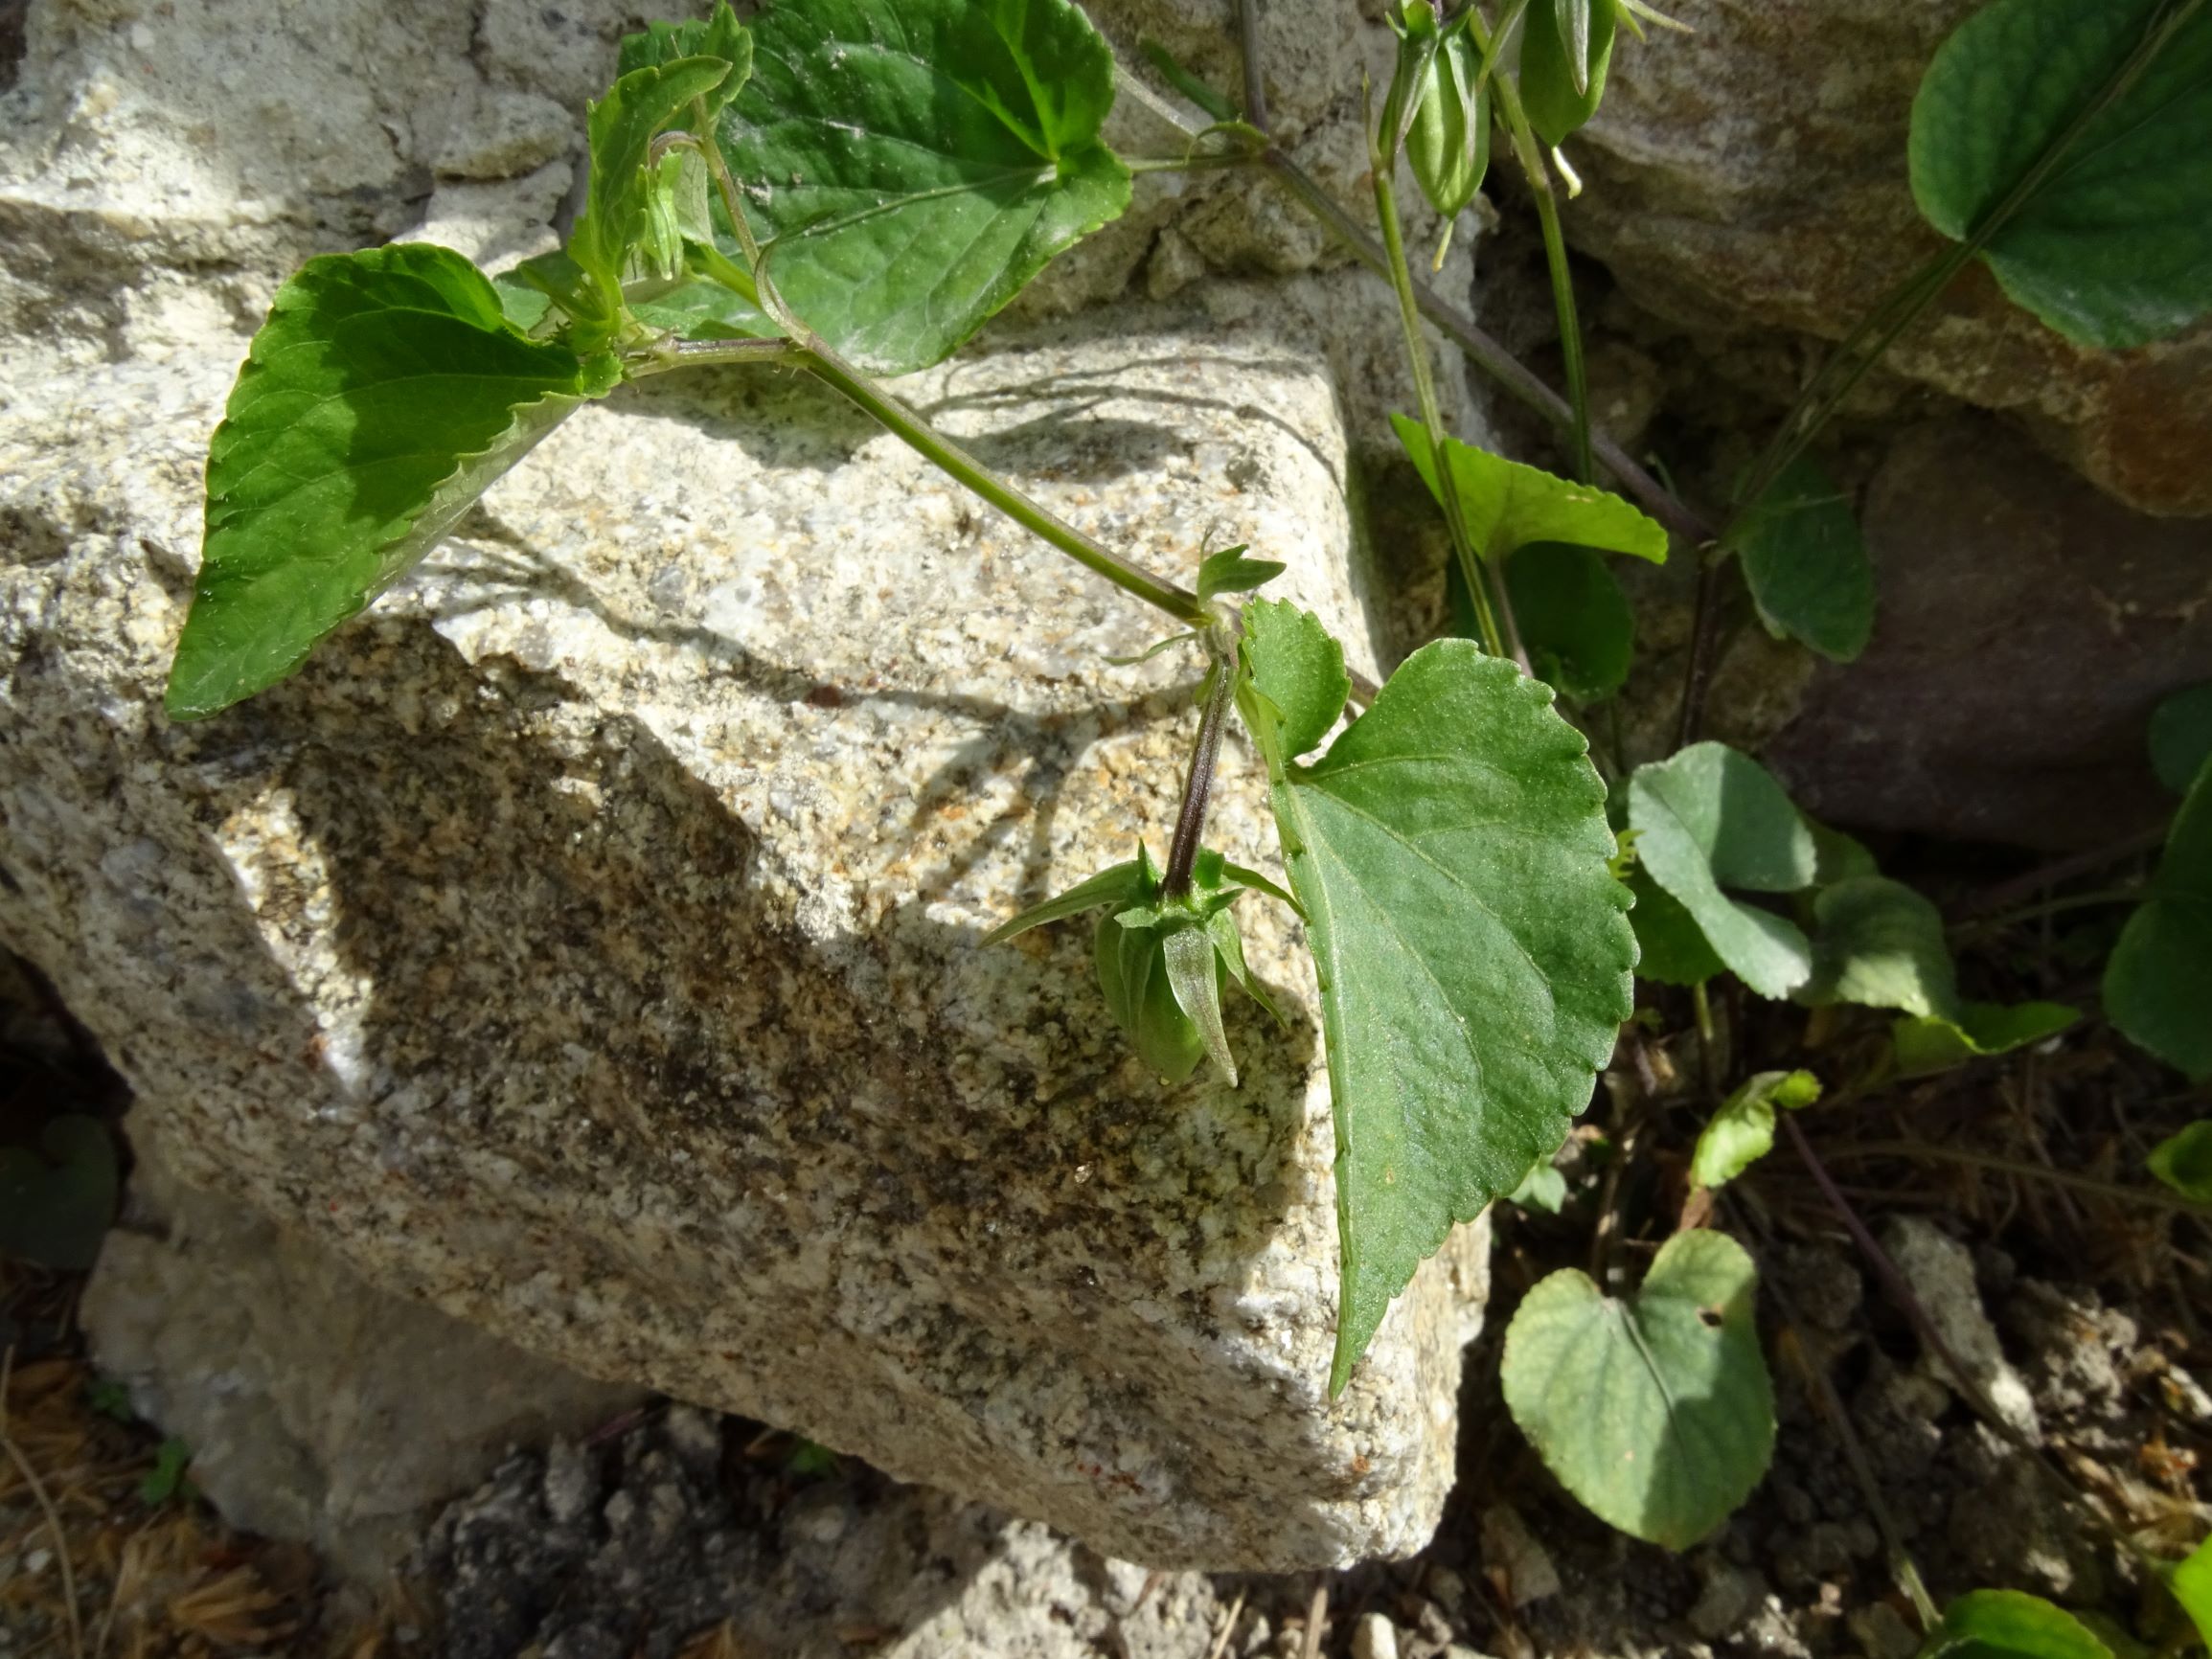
x: 817, y: 358
x: 1255, y: 81
x: 1492, y: 358
x: 1383, y: 163
x: 1704, y: 623
x: 2064, y: 868
x: 940, y: 451
x: 1708, y: 1040
x: 1198, y: 782
x: 663, y: 355
x: 2154, y: 1198
x: 1530, y: 155
x: 1903, y: 304
x: 2060, y: 905
x: 1198, y: 161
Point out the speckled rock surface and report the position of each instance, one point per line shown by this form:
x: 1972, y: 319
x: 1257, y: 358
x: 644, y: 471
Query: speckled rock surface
x: 316, y: 1406
x: 586, y: 942
x: 1754, y: 174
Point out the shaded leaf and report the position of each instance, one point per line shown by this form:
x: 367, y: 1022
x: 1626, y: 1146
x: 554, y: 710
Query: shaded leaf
x: 1880, y: 944
x: 1451, y: 854
x: 2185, y: 1162
x: 1710, y: 819
x: 2010, y: 1624
x: 2159, y: 983
x: 55, y: 1202
x: 2116, y: 248
x: 1806, y: 563
x: 2191, y: 1581
x: 1975, y: 1031
x: 1574, y: 619
x: 917, y: 162
x: 1741, y: 1130
x: 1670, y: 946
x: 1508, y: 504
x: 2181, y: 737
x: 1544, y: 1188
x: 1299, y: 667
x: 1654, y: 1409
x: 385, y: 392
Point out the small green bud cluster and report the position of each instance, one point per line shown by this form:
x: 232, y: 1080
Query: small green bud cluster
x: 1163, y: 959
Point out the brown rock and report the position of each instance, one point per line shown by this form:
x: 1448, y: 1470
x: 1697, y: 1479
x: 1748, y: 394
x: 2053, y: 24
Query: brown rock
x: 2027, y: 628
x: 1755, y: 172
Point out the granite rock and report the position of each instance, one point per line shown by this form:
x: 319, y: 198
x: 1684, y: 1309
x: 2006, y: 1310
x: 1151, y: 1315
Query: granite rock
x: 316, y: 1407
x: 1753, y: 175
x: 584, y: 943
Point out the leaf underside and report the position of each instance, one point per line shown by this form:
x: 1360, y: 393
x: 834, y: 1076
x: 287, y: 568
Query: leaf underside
x: 1509, y: 506
x: 384, y: 394
x: 2158, y: 984
x: 1449, y: 851
x: 1710, y: 819
x: 916, y: 162
x: 2115, y: 249
x: 1806, y: 563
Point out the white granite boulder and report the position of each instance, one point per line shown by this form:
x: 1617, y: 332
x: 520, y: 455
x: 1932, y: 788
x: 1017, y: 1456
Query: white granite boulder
x: 586, y: 944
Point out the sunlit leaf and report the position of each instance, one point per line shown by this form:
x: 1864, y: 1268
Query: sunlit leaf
x: 1450, y: 853
x: 916, y: 162
x: 385, y: 392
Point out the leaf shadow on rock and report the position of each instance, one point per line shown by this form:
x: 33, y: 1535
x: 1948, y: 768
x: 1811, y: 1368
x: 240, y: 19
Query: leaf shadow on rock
x: 596, y: 1089
x: 1069, y: 427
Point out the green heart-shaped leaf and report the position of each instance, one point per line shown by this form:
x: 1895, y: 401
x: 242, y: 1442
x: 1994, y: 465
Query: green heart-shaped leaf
x: 916, y: 162
x: 1880, y: 944
x: 1451, y: 854
x: 2181, y: 737
x: 1508, y: 504
x: 1654, y: 1409
x: 1741, y: 1131
x: 1973, y: 1030
x: 2184, y: 1161
x: 1577, y: 624
x: 1711, y: 819
x: 2159, y: 983
x: 55, y: 1203
x: 2116, y: 248
x: 1806, y: 563
x: 2010, y: 1624
x: 386, y: 392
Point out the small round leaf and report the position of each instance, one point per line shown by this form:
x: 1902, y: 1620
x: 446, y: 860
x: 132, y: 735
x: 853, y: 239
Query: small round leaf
x: 1654, y: 1409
